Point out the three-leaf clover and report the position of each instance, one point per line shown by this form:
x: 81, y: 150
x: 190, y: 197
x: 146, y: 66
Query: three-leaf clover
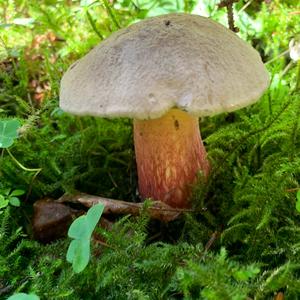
x: 8, y: 132
x: 81, y: 231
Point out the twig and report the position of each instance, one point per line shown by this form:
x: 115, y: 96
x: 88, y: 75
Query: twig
x: 104, y: 244
x: 286, y: 69
x: 6, y: 290
x: 278, y: 56
x: 229, y: 5
x: 157, y: 210
x: 293, y: 190
x: 112, y: 180
x: 208, y: 245
x: 155, y: 236
x: 211, y: 241
x: 244, y: 7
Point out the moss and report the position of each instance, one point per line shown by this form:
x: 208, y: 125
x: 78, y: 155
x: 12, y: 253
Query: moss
x: 243, y: 239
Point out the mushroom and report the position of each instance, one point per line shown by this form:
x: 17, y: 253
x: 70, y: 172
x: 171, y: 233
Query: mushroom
x: 165, y: 72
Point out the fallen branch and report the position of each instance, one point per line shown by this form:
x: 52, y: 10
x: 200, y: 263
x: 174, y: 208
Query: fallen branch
x: 157, y: 209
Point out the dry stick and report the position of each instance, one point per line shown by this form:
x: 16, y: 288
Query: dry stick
x: 229, y: 5
x: 211, y: 241
x: 104, y: 244
x: 278, y: 56
x: 158, y: 210
x: 244, y: 7
x: 294, y: 13
x: 293, y: 190
x: 209, y: 244
x: 9, y: 288
x: 6, y: 290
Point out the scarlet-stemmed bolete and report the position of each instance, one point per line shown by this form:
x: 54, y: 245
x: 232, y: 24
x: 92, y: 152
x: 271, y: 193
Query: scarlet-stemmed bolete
x: 165, y: 72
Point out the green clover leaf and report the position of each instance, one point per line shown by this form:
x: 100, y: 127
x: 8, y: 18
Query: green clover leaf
x: 23, y: 296
x: 81, y: 231
x: 8, y: 132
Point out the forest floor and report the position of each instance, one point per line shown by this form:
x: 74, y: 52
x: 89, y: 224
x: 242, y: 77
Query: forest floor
x: 242, y: 240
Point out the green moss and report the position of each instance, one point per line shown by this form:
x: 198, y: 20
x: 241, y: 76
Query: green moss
x: 247, y: 207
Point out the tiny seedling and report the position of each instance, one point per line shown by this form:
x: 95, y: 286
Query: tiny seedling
x: 81, y: 231
x: 8, y: 196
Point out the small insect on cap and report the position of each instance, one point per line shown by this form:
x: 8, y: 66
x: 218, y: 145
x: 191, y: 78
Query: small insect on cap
x: 175, y: 60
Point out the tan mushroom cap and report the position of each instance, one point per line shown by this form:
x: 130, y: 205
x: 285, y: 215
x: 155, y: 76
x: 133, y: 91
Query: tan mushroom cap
x: 175, y: 60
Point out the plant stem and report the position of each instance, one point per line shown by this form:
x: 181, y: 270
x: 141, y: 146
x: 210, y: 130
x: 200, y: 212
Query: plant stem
x: 37, y: 170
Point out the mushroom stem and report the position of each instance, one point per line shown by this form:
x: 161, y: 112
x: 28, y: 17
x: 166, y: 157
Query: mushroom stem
x: 169, y: 154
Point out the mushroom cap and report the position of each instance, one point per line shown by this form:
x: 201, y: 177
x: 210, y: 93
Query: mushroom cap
x: 175, y: 60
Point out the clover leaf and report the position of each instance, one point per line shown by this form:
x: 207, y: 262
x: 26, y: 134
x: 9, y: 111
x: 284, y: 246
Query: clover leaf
x: 8, y: 132
x: 81, y: 231
x: 23, y: 296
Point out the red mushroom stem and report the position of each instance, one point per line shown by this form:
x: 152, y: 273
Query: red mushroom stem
x: 169, y: 154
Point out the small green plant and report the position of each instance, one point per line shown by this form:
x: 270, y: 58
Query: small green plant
x: 9, y: 196
x: 8, y: 134
x: 81, y: 231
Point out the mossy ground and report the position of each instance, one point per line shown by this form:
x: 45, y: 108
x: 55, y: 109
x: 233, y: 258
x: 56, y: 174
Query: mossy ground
x: 247, y: 210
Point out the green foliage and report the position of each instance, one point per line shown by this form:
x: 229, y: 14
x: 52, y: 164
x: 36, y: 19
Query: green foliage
x: 8, y: 132
x: 7, y: 196
x: 16, y: 252
x: 216, y: 278
x: 249, y: 200
x: 23, y: 296
x: 81, y: 231
x: 73, y: 154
